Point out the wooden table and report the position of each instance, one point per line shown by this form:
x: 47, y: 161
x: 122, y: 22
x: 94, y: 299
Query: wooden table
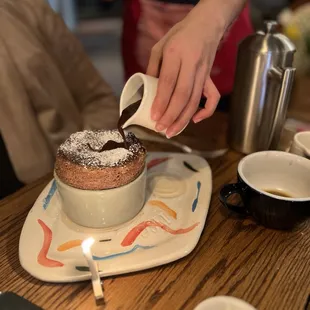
x: 269, y: 269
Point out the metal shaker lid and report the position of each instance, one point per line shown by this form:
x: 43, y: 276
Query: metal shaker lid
x: 269, y: 40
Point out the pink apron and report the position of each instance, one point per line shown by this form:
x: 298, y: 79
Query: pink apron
x: 147, y: 21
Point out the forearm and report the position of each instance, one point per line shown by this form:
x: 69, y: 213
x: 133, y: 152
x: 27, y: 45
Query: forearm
x: 217, y: 14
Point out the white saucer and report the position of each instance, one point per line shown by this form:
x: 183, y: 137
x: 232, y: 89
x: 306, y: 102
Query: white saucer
x: 224, y: 303
x: 168, y: 227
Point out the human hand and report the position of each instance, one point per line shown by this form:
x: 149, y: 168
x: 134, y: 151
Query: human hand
x: 183, y: 60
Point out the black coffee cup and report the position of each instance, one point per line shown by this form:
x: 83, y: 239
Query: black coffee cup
x: 274, y: 188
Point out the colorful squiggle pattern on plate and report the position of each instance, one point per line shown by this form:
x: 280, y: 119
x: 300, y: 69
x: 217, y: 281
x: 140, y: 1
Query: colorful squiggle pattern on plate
x: 100, y: 258
x: 164, y: 207
x: 50, y: 195
x: 137, y: 230
x: 195, y: 202
x: 84, y: 268
x: 42, y: 256
x: 189, y: 166
x: 69, y: 245
x: 136, y: 247
x: 105, y: 240
x: 156, y: 161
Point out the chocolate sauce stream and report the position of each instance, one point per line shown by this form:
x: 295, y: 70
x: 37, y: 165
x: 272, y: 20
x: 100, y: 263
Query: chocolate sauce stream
x: 110, y: 145
x: 126, y: 114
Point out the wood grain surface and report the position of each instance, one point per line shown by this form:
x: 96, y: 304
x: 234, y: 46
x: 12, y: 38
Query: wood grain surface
x: 269, y: 269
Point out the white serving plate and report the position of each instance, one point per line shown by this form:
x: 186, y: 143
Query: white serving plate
x: 170, y: 226
x: 224, y: 303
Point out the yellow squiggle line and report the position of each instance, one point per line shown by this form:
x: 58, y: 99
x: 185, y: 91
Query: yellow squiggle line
x: 69, y: 245
x: 163, y: 206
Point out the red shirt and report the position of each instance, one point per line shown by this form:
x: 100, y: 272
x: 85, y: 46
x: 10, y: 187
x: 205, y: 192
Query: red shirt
x: 147, y: 21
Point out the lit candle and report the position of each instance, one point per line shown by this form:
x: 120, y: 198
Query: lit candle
x: 95, y: 278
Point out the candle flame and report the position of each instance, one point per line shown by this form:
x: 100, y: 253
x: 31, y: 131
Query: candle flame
x: 87, y: 244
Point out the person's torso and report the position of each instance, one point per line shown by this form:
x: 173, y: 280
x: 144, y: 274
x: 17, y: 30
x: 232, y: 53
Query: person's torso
x: 156, y: 18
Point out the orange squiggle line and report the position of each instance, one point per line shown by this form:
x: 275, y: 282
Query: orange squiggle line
x: 69, y: 245
x: 137, y: 230
x: 42, y: 256
x: 163, y: 206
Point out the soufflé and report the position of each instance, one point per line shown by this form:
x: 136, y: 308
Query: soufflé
x: 97, y: 160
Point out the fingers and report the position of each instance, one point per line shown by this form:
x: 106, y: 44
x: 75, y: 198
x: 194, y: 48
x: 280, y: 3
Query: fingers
x: 191, y: 107
x: 180, y: 97
x: 180, y: 86
x: 155, y: 61
x: 166, y: 84
x: 213, y: 97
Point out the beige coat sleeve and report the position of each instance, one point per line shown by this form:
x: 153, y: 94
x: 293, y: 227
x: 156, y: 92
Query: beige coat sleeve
x: 92, y: 94
x: 48, y: 87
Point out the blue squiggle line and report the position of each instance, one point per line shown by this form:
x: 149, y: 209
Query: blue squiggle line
x: 136, y: 247
x: 50, y: 195
x: 195, y: 202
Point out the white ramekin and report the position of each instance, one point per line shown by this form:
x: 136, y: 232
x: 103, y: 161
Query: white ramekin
x: 103, y: 208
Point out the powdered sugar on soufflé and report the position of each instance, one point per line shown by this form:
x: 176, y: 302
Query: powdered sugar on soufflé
x: 77, y: 148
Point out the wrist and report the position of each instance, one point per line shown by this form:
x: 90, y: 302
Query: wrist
x: 217, y: 15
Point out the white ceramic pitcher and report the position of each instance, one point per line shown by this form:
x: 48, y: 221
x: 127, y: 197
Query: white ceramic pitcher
x: 140, y: 86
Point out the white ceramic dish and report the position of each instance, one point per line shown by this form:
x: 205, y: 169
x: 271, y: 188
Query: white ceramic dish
x: 92, y: 208
x: 224, y: 303
x: 167, y: 228
x: 301, y: 144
